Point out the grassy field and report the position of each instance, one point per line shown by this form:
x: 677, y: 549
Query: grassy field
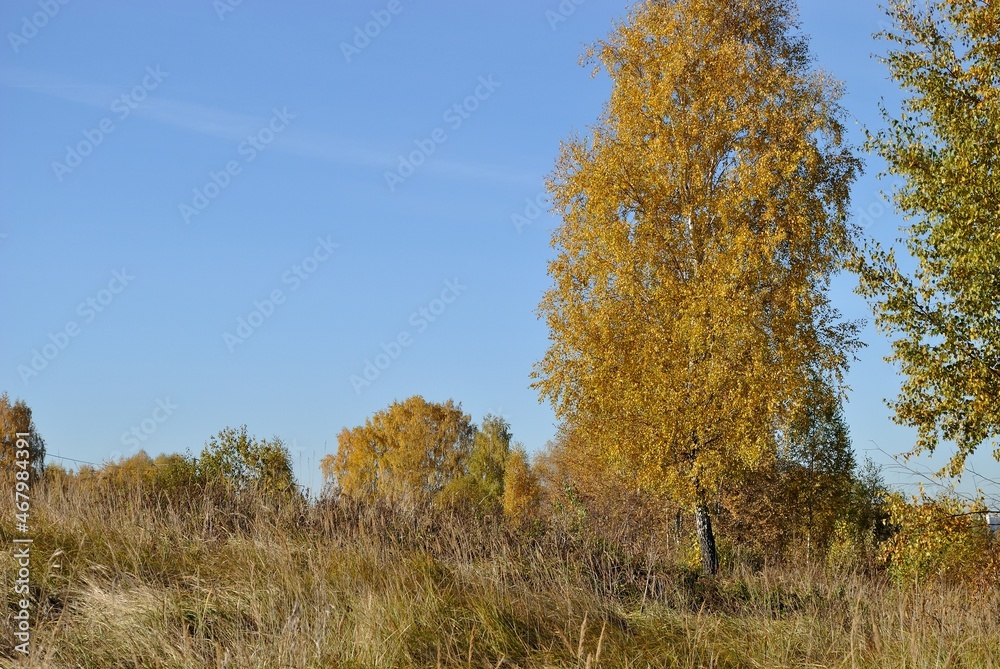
x: 124, y: 580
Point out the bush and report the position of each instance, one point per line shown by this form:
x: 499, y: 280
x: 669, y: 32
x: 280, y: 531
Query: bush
x: 238, y: 462
x: 521, y: 492
x: 941, y: 537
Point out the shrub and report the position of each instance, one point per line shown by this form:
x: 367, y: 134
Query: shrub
x: 940, y: 537
x: 240, y: 463
x: 521, y: 492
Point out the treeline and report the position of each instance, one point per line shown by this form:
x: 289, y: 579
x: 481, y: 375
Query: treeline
x: 422, y: 462
x: 233, y: 463
x: 417, y: 453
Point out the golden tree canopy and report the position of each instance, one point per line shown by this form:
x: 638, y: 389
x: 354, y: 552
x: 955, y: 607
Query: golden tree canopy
x: 701, y: 220
x: 15, y: 419
x: 410, y: 450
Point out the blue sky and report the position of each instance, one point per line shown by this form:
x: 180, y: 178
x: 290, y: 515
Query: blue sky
x: 170, y: 171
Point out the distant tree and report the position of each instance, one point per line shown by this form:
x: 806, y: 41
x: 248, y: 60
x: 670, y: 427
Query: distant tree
x: 867, y: 523
x: 408, y: 451
x: 240, y: 462
x: 135, y: 471
x: 521, y: 491
x: 16, y: 418
x: 488, y: 458
x: 701, y: 221
x: 945, y: 143
x: 818, y: 466
x: 480, y: 488
x: 174, y: 473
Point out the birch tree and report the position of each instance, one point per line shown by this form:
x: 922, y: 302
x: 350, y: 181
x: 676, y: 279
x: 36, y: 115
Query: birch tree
x: 702, y: 216
x: 409, y: 452
x: 943, y: 317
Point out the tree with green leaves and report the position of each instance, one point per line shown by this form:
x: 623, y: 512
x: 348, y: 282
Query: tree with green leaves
x: 488, y: 458
x: 238, y: 461
x: 818, y: 466
x: 701, y: 221
x: 480, y: 487
x: 944, y: 317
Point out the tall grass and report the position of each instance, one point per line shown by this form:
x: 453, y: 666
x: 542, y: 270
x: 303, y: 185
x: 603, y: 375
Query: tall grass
x: 131, y: 579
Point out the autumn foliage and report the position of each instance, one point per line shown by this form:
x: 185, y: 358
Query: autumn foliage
x: 408, y: 452
x: 15, y: 420
x: 944, y: 143
x: 941, y: 537
x: 701, y: 220
x: 696, y: 368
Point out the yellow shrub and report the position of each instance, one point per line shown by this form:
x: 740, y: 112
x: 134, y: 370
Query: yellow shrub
x: 521, y: 491
x: 940, y: 537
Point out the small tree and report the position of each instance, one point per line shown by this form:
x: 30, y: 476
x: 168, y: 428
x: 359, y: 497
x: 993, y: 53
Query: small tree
x: 521, y: 491
x: 488, y: 458
x: 135, y: 472
x: 237, y: 461
x: 175, y: 474
x: 409, y: 451
x: 865, y: 525
x: 818, y: 466
x: 15, y: 418
x: 481, y: 487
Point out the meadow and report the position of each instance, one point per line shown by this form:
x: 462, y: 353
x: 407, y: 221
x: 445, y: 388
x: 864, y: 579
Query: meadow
x: 131, y: 577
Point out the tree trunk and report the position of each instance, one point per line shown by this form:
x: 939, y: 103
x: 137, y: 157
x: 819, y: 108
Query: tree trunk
x: 706, y: 539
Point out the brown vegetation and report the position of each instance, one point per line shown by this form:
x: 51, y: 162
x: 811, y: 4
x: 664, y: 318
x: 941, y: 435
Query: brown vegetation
x: 127, y: 575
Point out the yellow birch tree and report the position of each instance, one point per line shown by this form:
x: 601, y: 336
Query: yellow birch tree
x: 407, y: 452
x: 701, y: 220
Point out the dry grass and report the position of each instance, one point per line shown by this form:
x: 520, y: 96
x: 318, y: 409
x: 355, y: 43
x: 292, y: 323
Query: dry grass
x: 212, y: 583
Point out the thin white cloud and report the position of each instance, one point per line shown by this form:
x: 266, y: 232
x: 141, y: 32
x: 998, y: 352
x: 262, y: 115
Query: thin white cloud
x: 223, y: 124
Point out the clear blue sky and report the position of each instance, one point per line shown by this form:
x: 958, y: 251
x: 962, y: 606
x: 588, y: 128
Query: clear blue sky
x: 201, y: 150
